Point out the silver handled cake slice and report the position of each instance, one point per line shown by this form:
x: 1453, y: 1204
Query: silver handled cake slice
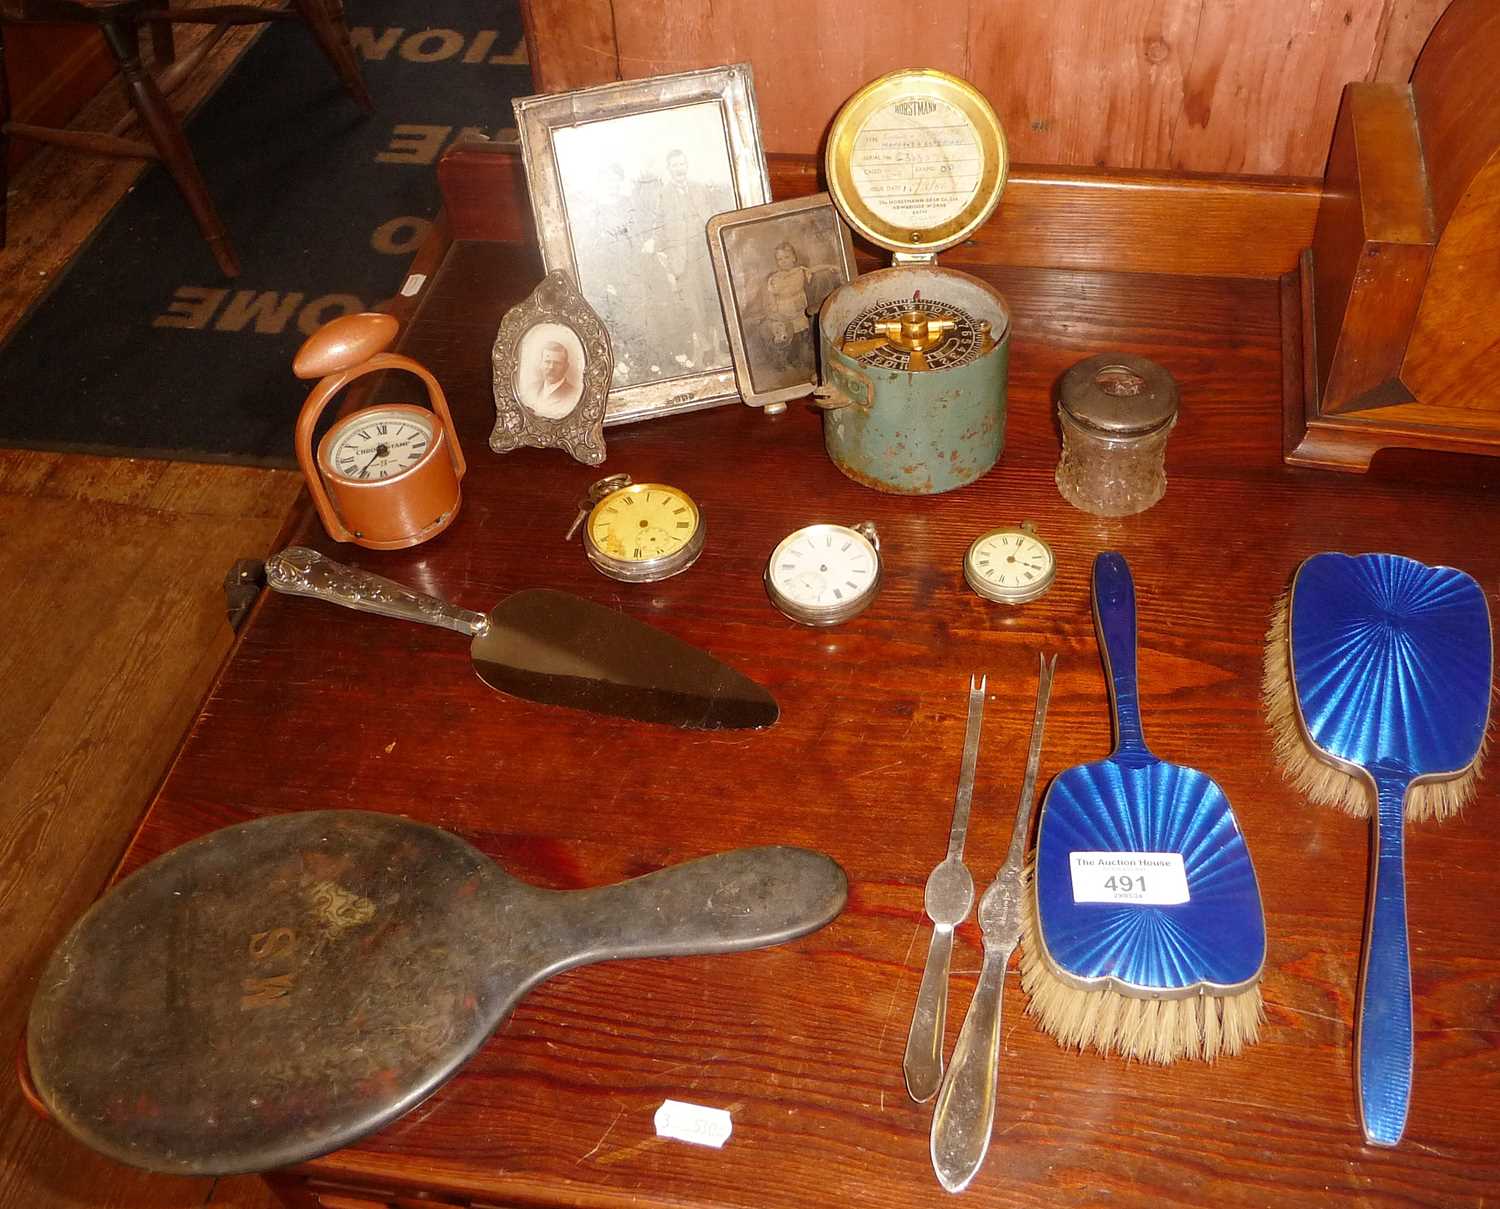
x: 965, y: 1111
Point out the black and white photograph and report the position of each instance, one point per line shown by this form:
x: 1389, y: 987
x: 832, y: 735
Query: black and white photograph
x: 645, y: 187
x: 551, y: 367
x: 549, y: 371
x: 624, y: 180
x: 775, y: 264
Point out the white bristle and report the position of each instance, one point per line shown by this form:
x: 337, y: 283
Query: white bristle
x: 1149, y: 1029
x: 1311, y: 773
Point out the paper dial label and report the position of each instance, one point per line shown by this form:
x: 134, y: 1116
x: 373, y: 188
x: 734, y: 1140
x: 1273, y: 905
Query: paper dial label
x: 1154, y: 879
x: 916, y: 162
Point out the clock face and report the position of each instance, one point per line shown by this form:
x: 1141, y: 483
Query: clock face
x: 823, y: 569
x: 379, y: 443
x: 1009, y: 565
x: 643, y: 522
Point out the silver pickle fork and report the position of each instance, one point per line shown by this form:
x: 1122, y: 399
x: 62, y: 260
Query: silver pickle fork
x: 965, y: 1112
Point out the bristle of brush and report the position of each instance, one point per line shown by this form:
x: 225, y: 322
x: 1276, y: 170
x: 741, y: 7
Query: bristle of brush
x: 1151, y: 1030
x: 1327, y: 784
x: 1313, y: 776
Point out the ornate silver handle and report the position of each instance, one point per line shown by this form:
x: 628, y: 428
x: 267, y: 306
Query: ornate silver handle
x: 298, y: 571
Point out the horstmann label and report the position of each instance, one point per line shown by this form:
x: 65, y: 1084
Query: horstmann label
x: 917, y: 162
x: 1155, y: 879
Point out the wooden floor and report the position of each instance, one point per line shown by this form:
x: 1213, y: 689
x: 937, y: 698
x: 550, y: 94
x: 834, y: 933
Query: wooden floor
x: 110, y: 573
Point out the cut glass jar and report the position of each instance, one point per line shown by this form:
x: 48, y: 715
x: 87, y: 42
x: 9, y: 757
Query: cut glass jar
x: 1116, y: 411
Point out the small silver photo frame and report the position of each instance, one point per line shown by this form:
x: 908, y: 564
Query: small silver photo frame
x: 624, y: 178
x: 774, y: 265
x: 552, y: 368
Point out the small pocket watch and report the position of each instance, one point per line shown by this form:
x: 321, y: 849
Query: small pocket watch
x: 639, y: 532
x: 1010, y: 565
x: 824, y: 574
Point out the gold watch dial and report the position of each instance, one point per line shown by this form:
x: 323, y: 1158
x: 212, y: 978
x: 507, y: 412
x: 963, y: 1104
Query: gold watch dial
x: 642, y: 522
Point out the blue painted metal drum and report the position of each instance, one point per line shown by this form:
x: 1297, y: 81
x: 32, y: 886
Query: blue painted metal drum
x: 914, y: 357
x: 915, y: 431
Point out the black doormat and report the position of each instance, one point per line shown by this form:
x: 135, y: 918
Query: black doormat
x: 145, y: 348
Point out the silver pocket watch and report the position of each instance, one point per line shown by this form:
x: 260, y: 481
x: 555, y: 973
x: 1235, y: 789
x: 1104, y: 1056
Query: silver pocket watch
x: 1010, y: 565
x: 825, y: 574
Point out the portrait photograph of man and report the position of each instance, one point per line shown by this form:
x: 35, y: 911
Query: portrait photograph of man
x: 549, y: 371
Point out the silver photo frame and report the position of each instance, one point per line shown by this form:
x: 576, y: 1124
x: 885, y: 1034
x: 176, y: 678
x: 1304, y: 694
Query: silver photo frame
x: 774, y: 265
x: 551, y: 371
x: 624, y: 178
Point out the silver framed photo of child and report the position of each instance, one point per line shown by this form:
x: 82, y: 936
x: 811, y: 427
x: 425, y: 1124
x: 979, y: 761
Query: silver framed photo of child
x: 775, y: 264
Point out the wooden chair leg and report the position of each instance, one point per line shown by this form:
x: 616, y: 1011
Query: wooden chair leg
x: 4, y: 137
x: 326, y: 20
x: 163, y: 43
x: 161, y: 124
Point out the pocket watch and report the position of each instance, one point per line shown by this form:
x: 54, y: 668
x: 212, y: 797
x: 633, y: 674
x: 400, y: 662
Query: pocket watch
x: 1010, y: 565
x: 824, y: 574
x: 639, y: 532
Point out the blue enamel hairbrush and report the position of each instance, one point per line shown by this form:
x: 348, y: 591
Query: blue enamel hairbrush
x: 1146, y: 934
x: 1377, y: 684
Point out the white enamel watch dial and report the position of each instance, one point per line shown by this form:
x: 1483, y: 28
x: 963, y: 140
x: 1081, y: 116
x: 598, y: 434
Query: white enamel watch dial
x: 1011, y: 565
x: 824, y: 574
x: 644, y: 532
x: 379, y: 443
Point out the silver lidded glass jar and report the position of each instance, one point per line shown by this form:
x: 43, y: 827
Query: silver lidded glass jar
x: 1116, y: 411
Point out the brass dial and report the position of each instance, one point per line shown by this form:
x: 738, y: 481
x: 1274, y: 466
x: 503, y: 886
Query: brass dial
x: 916, y: 334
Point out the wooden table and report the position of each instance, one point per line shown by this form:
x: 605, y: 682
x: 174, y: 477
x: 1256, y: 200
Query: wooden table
x: 802, y: 1044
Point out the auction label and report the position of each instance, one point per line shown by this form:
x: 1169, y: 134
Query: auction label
x: 917, y: 162
x: 694, y: 1123
x: 1153, y: 879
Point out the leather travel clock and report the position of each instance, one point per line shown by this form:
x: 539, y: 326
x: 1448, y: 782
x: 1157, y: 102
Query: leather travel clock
x: 387, y: 476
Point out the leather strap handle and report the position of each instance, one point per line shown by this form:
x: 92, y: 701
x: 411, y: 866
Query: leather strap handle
x: 319, y: 398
